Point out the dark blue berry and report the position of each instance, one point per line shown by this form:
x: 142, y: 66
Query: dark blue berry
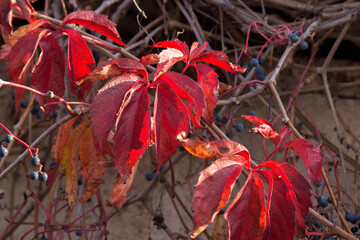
x: 230, y: 134
x: 3, y: 151
x: 43, y: 176
x: 13, y: 96
x: 319, y: 184
x: 304, y: 45
x: 89, y: 200
x: 350, y: 217
x: 78, y: 233
x: 23, y: 104
x: 294, y: 38
x: 246, y: 67
x: 43, y: 238
x: 259, y: 70
x: 35, y: 160
x: 149, y: 176
x: 80, y: 181
x: 290, y: 35
x: 261, y: 60
x: 329, y: 200
x: 322, y: 202
x: 8, y: 138
x: 254, y: 62
x: 252, y: 113
x: 330, y: 220
x: 316, y: 238
x: 317, y: 223
x: 261, y: 77
x: 354, y: 229
x: 33, y: 175
x: 38, y: 116
x: 239, y: 127
x: 52, y: 164
x: 222, y: 211
x: 219, y: 117
x: 328, y: 238
x: 54, y: 114
x: 34, y: 110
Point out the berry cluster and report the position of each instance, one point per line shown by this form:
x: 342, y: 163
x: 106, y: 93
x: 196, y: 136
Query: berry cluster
x: 42, y: 176
x: 259, y: 71
x: 3, y: 150
x: 295, y: 38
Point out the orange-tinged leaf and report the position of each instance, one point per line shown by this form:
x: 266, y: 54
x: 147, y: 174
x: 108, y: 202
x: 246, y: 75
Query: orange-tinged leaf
x: 213, y: 191
x: 150, y: 59
x: 247, y: 215
x: 69, y: 161
x: 121, y: 188
x: 58, y: 148
x: 213, y: 149
x: 92, y: 172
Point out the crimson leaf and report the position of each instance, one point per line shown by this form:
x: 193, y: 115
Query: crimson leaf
x: 264, y: 128
x: 246, y: 214
x: 103, y: 114
x: 132, y: 130
x: 170, y: 119
x: 95, y: 21
x: 48, y: 73
x: 80, y: 62
x: 213, y: 190
x: 310, y: 155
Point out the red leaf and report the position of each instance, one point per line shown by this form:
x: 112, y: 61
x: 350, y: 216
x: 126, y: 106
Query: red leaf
x: 121, y: 188
x: 170, y: 119
x: 187, y: 89
x: 246, y: 214
x: 264, y: 128
x: 284, y: 134
x: 103, y: 114
x: 195, y: 51
x: 48, y: 72
x: 219, y: 59
x: 80, y: 62
x: 115, y: 67
x: 150, y: 59
x: 176, y: 51
x: 213, y: 191
x: 18, y: 61
x: 310, y: 155
x: 215, y: 149
x: 132, y: 130
x: 6, y: 18
x: 26, y: 9
x: 208, y: 81
x: 280, y: 209
x: 301, y: 188
x: 91, y: 170
x: 58, y: 148
x: 95, y: 21
x: 298, y: 194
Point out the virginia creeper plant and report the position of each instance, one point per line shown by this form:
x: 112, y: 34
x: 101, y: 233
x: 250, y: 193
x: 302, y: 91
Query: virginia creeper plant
x: 137, y: 108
